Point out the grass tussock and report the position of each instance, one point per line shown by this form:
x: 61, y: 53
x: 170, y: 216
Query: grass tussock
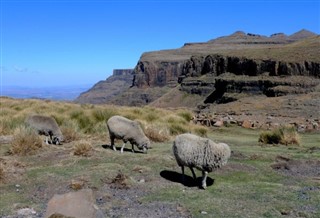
x: 156, y: 134
x: 201, y: 131
x: 82, y: 148
x: 282, y: 135
x: 69, y: 134
x: 25, y: 141
x: 81, y: 121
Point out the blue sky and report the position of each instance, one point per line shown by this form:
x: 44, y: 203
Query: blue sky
x: 70, y: 42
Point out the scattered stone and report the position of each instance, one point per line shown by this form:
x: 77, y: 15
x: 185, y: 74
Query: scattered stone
x: 142, y: 181
x: 26, y: 212
x: 204, y: 212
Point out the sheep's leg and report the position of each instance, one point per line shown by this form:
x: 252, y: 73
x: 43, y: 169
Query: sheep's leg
x: 182, y: 170
x: 193, y: 174
x: 124, y: 144
x: 112, y: 143
x: 47, y: 143
x: 133, y: 148
x: 204, y: 179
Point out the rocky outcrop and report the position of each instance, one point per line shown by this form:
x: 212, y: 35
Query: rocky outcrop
x: 104, y: 91
x: 150, y: 74
x: 219, y: 64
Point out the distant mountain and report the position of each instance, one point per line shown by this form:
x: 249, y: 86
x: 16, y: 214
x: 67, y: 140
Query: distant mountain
x: 65, y: 93
x: 105, y: 90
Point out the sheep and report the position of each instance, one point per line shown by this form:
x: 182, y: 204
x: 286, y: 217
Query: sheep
x: 202, y: 153
x: 122, y: 128
x: 47, y: 126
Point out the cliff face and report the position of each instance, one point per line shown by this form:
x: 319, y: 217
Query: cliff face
x: 220, y: 70
x: 158, y: 73
x: 255, y: 61
x: 238, y: 53
x: 104, y: 91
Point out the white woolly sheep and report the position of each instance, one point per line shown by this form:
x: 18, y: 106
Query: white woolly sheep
x: 202, y: 153
x: 122, y: 128
x: 47, y: 126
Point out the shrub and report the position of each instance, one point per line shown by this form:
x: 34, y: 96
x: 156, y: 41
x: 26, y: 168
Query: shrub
x: 25, y: 141
x: 282, y: 135
x: 83, y: 148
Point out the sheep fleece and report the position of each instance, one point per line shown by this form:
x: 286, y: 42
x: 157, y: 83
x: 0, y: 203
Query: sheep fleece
x: 201, y: 153
x: 127, y: 130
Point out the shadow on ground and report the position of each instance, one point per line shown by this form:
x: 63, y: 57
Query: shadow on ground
x: 107, y: 146
x: 188, y: 180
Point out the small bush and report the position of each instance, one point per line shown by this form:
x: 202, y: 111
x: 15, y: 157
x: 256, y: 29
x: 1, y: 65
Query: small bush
x: 82, y: 148
x: 282, y: 135
x: 25, y: 141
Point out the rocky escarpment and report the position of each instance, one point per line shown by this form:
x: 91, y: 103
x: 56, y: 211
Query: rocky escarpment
x: 104, y: 91
x: 220, y: 70
x: 240, y: 53
x: 158, y: 73
x: 216, y: 77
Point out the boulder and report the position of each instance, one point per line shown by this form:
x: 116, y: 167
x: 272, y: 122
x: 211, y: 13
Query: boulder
x: 80, y: 204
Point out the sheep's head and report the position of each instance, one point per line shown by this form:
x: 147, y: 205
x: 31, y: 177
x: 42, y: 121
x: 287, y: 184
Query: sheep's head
x: 145, y: 145
x: 57, y: 140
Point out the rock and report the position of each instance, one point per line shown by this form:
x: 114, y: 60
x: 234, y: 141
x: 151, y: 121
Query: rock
x: 80, y: 204
x: 26, y: 212
x: 218, y: 123
x: 247, y: 124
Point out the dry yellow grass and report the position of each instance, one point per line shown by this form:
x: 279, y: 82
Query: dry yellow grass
x: 82, y: 121
x: 82, y: 148
x: 25, y: 141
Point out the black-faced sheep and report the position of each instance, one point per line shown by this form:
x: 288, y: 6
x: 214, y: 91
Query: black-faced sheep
x: 122, y: 128
x: 47, y: 126
x: 202, y: 153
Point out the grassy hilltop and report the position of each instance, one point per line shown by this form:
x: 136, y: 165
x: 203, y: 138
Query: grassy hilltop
x: 259, y: 180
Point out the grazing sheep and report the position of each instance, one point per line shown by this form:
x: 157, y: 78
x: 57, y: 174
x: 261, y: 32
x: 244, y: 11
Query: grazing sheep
x: 122, y: 128
x: 47, y: 126
x: 201, y: 153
